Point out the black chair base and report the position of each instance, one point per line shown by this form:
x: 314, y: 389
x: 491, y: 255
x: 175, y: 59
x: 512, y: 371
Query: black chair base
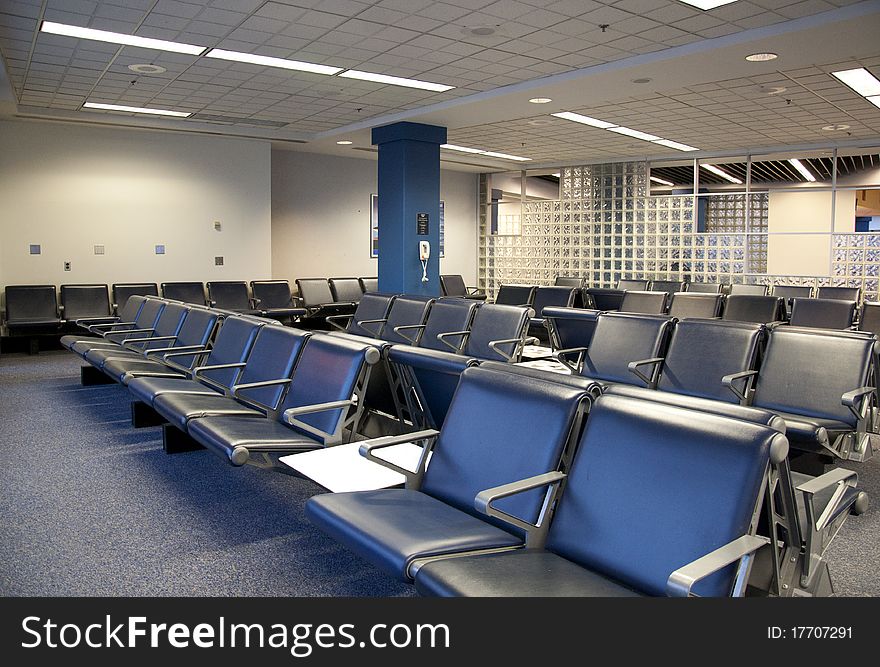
x: 175, y: 441
x: 809, y: 463
x: 143, y: 415
x: 90, y: 376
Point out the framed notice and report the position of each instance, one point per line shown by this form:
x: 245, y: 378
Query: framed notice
x: 374, y: 227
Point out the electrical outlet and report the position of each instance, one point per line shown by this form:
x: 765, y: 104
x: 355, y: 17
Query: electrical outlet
x: 218, y: 261
x: 67, y: 266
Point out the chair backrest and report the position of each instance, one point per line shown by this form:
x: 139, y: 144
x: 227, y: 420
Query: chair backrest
x: 229, y: 295
x: 314, y: 291
x: 346, y: 290
x: 372, y: 306
x: 133, y: 305
x: 405, y: 311
x: 452, y: 284
x: 651, y: 303
x: 697, y: 304
x: 496, y: 322
x: 188, y: 292
x: 753, y: 290
x: 621, y: 338
x: 668, y: 286
x: 844, y: 293
x: 272, y: 357
x: 149, y: 314
x: 637, y: 285
x: 522, y: 425
x: 197, y: 328
x: 452, y: 314
x: 687, y: 483
x: 822, y: 313
x: 701, y: 352
x: 704, y: 288
x: 516, y: 295
x: 869, y: 319
x: 605, y: 299
x: 169, y: 323
x: 369, y: 284
x: 232, y: 345
x: 31, y: 302
x: 571, y: 327
x: 122, y: 292
x: 806, y: 372
x: 329, y: 369
x: 793, y: 291
x: 559, y: 296
x: 754, y: 308
x: 569, y: 281
x: 272, y: 293
x: 83, y: 301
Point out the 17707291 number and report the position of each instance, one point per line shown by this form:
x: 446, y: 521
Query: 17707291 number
x: 810, y: 632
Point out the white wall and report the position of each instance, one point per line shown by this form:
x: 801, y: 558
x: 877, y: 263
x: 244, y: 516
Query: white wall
x: 69, y: 187
x: 321, y: 217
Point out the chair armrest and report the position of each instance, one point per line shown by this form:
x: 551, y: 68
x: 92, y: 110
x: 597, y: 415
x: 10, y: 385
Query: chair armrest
x: 255, y: 302
x: 536, y: 533
x: 413, y: 477
x: 186, y: 370
x: 237, y: 389
x: 125, y: 333
x: 131, y: 342
x: 110, y: 325
x: 291, y: 414
x: 455, y: 348
x: 683, y: 579
x: 854, y: 400
x: 361, y: 323
x: 176, y: 351
x: 841, y: 479
x: 562, y: 358
x: 742, y: 394
x: 199, y: 371
x: 654, y: 362
x: 331, y: 320
x: 494, y: 344
x: 399, y: 330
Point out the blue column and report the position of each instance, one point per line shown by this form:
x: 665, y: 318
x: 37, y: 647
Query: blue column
x: 409, y: 188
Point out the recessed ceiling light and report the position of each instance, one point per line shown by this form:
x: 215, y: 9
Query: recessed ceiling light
x: 628, y: 131
x: 147, y: 69
x: 538, y: 122
x: 344, y: 142
x: 395, y: 80
x: 268, y: 61
x: 761, y: 57
x: 120, y: 107
x: 479, y: 30
x: 797, y: 164
x: 874, y: 99
x: 661, y: 181
x: 586, y: 120
x: 674, y: 144
x: 860, y: 80
x: 707, y: 4
x: 461, y: 149
x: 540, y: 100
x: 723, y: 174
x: 836, y: 127
x: 642, y: 80
x: 120, y: 38
x: 480, y: 151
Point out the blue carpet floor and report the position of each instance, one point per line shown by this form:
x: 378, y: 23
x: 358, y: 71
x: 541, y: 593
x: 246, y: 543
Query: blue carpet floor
x: 91, y: 506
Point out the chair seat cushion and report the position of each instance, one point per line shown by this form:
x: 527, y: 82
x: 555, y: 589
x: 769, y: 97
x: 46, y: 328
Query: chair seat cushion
x: 146, y: 389
x: 520, y: 573
x: 33, y: 323
x: 812, y: 433
x: 124, y: 369
x: 70, y: 340
x: 97, y: 356
x: 180, y: 408
x: 234, y: 436
x: 435, y: 360
x: 391, y: 527
x: 81, y: 346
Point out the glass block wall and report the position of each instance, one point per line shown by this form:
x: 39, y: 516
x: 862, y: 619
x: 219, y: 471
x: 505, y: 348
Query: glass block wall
x: 606, y: 227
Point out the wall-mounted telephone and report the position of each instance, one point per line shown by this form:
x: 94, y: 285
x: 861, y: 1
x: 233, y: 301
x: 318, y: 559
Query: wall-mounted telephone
x: 424, y: 256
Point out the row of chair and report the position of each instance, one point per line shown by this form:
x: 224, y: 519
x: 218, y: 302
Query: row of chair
x: 531, y: 488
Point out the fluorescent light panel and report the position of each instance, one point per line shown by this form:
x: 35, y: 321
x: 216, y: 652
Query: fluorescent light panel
x: 860, y: 80
x: 723, y: 174
x: 676, y: 145
x: 480, y: 151
x: 797, y: 164
x: 620, y: 129
x: 120, y: 107
x: 874, y: 99
x: 706, y: 5
x: 395, y: 80
x: 268, y: 61
x: 661, y: 181
x: 120, y: 38
x: 585, y: 120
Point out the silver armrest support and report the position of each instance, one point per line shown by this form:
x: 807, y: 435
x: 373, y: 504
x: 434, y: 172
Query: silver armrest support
x: 819, y: 518
x: 742, y: 394
x: 562, y: 358
x: 655, y: 363
x: 495, y: 345
x: 536, y: 533
x: 447, y: 334
x: 186, y: 370
x: 399, y: 331
x: 291, y: 414
x: 684, y: 578
x: 413, y: 477
x: 176, y: 351
x: 856, y: 400
x: 131, y: 343
x: 361, y: 323
x: 238, y: 388
x: 332, y: 321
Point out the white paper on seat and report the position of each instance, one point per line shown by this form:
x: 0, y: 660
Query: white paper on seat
x: 342, y: 468
x: 537, y: 352
x: 547, y: 365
